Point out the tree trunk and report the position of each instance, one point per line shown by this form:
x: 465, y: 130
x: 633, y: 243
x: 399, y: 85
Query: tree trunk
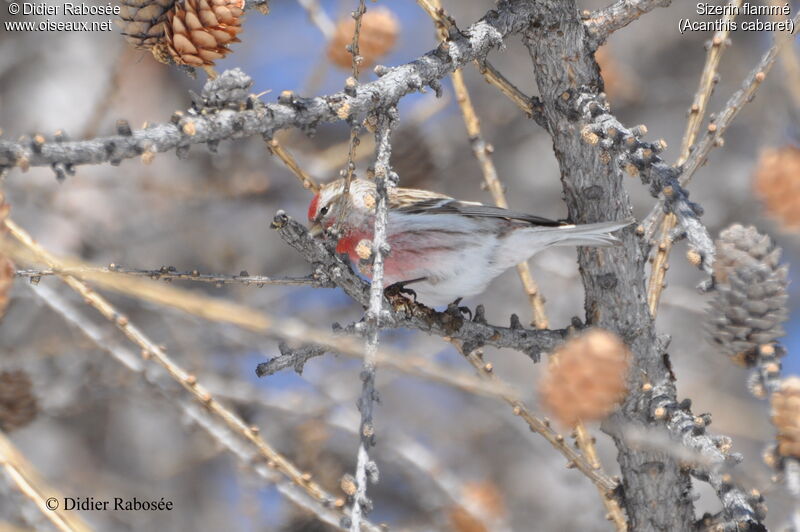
x: 614, y: 278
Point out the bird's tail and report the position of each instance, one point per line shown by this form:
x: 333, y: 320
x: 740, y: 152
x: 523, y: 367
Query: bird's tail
x: 597, y: 234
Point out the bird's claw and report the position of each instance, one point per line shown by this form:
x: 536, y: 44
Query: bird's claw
x: 454, y: 308
x: 399, y: 289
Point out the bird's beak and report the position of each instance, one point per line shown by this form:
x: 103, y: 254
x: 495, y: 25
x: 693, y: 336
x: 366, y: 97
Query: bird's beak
x: 316, y: 229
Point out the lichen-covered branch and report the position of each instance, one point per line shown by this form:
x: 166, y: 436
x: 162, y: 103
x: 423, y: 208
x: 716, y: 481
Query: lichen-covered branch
x: 227, y: 112
x: 385, y: 179
x: 639, y: 158
x: 742, y: 510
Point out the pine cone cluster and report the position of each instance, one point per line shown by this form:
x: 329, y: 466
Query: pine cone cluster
x: 586, y: 377
x: 750, y: 301
x: 6, y: 266
x: 378, y: 35
x: 786, y: 417
x: 777, y: 183
x: 198, y: 32
x: 18, y: 405
x: 185, y: 32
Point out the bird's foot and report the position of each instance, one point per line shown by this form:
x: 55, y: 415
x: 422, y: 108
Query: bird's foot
x: 454, y: 309
x: 399, y: 289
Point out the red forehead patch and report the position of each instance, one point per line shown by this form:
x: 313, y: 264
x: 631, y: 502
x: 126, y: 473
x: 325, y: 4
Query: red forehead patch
x: 312, y: 208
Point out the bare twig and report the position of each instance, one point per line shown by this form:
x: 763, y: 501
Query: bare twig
x: 169, y: 273
x: 288, y: 159
x: 385, y: 179
x: 697, y: 111
x: 445, y: 24
x: 318, y: 16
x: 530, y: 104
x: 604, y: 22
x: 742, y: 509
x: 585, y: 442
x: 21, y: 475
x: 351, y: 85
x: 542, y: 427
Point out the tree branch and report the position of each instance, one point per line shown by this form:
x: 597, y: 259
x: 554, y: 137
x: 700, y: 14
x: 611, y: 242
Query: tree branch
x: 742, y: 510
x: 603, y: 22
x: 169, y: 273
x: 225, y: 111
x: 385, y: 179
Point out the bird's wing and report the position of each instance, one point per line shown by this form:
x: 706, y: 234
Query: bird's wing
x: 411, y: 201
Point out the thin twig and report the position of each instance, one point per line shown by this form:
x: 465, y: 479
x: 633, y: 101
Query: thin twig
x: 603, y: 22
x: 366, y: 470
x: 288, y: 159
x: 318, y: 16
x: 445, y: 24
x: 28, y: 482
x: 585, y: 441
x: 723, y: 120
x: 169, y: 273
x: 351, y: 85
x: 708, y: 80
x: 604, y: 483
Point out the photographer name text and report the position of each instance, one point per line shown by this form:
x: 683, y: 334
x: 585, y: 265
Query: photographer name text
x: 90, y: 504
x: 67, y: 9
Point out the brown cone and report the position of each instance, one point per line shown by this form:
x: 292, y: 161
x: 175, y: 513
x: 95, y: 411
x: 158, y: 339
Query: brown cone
x: 142, y: 21
x: 18, y: 405
x: 586, y: 377
x: 378, y: 34
x: 198, y: 32
x: 6, y: 266
x: 776, y: 182
x: 786, y: 417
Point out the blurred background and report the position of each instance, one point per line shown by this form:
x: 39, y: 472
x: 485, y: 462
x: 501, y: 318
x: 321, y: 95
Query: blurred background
x: 97, y: 429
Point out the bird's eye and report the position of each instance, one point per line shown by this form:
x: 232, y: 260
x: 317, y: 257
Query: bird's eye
x: 323, y: 211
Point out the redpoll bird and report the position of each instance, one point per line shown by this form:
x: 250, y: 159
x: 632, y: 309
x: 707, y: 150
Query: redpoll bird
x: 443, y: 248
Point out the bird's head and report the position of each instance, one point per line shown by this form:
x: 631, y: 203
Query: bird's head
x: 325, y: 206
